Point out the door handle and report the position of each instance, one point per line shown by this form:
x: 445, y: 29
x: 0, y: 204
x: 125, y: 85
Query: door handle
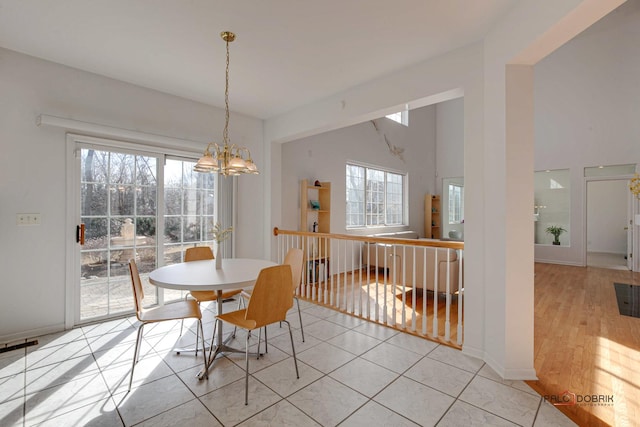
x: 626, y: 228
x: 80, y: 234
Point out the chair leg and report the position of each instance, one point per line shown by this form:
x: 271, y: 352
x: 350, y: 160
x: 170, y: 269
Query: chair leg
x: 246, y: 370
x: 182, y: 324
x: 235, y: 328
x: 136, y: 352
x: 204, y: 351
x: 197, y: 334
x: 293, y: 349
x: 259, y: 340
x: 300, y: 317
x: 266, y: 350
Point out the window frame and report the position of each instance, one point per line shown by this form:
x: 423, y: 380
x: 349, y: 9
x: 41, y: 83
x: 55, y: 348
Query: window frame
x: 364, y: 216
x: 460, y: 205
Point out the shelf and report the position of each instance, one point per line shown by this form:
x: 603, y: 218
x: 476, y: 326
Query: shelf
x: 315, y: 249
x: 432, y: 216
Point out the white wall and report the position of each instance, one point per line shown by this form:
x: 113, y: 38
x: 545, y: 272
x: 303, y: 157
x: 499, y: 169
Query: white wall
x: 607, y: 216
x: 587, y: 104
x: 449, y: 154
x: 324, y: 157
x: 449, y: 140
x: 32, y: 173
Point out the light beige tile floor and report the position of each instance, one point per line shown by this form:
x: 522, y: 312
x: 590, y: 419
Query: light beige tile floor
x: 352, y: 373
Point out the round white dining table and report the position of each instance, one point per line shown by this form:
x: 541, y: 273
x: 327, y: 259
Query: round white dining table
x: 203, y: 276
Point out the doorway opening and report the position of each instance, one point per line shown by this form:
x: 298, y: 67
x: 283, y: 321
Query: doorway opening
x: 609, y: 239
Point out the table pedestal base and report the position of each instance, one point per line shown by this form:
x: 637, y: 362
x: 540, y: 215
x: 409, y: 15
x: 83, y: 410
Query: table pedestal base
x: 221, y: 346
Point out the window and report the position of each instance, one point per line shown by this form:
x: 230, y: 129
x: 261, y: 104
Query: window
x: 401, y: 117
x: 456, y: 203
x: 375, y: 197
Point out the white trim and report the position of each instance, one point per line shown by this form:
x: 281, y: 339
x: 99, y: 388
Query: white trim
x: 72, y: 220
x: 73, y: 215
x: 160, y: 207
x: 377, y: 167
x: 510, y: 374
x: 135, y: 147
x: 405, y: 195
x: 168, y: 144
x: 559, y: 262
x: 32, y: 333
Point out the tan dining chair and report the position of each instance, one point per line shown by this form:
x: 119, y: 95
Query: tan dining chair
x: 188, y: 309
x: 293, y: 258
x: 199, y: 253
x: 270, y: 300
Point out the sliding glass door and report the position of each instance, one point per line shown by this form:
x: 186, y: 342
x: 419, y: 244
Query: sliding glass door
x: 135, y: 205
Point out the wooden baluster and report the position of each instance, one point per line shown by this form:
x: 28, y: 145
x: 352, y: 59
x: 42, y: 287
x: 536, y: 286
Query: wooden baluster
x: 460, y: 295
x: 436, y: 333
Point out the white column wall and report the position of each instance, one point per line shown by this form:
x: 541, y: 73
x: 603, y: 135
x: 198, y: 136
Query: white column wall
x: 531, y: 31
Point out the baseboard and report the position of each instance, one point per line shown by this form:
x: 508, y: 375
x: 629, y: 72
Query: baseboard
x: 473, y: 352
x: 31, y: 333
x: 559, y: 262
x: 511, y: 374
x: 607, y: 252
x: 521, y: 374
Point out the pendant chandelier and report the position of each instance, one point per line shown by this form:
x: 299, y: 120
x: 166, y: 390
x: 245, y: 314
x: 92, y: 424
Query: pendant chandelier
x: 226, y: 159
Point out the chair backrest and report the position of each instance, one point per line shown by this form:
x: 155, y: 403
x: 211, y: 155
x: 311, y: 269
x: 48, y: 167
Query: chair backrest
x: 271, y: 297
x: 294, y: 258
x: 136, y: 283
x: 198, y: 253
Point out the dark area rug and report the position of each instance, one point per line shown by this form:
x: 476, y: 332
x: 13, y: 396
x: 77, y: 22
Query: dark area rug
x: 628, y: 297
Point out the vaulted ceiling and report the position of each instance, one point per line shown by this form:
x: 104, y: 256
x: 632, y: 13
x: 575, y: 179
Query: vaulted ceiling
x: 288, y: 53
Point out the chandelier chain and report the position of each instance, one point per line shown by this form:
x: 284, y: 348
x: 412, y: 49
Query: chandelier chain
x: 225, y: 134
x: 229, y: 160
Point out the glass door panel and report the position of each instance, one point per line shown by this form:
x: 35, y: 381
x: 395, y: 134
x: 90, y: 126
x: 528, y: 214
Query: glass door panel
x: 119, y: 209
x: 189, y: 212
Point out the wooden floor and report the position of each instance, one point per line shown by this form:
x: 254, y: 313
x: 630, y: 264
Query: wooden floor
x: 362, y: 295
x: 584, y: 346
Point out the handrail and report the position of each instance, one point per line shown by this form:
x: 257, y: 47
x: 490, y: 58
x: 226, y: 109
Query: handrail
x: 413, y: 285
x: 372, y: 239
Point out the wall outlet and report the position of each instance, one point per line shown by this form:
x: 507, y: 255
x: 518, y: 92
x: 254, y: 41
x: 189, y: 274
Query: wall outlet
x: 28, y: 219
